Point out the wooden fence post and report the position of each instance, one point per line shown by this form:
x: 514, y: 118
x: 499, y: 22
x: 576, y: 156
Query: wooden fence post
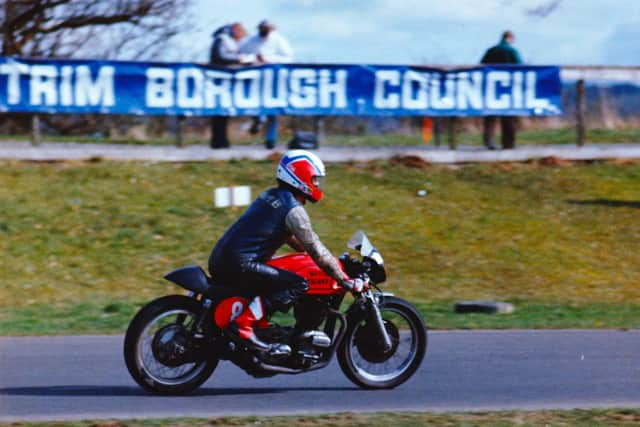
x: 453, y: 123
x: 580, y: 110
x: 35, y: 130
x: 437, y: 131
x: 179, y: 137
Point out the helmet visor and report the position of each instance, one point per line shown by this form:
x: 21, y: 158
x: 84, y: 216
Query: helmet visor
x: 318, y: 181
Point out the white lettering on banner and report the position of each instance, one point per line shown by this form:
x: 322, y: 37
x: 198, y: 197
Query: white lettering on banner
x: 495, y: 79
x: 323, y: 88
x: 246, y: 89
x: 253, y: 90
x: 159, y: 90
x: 439, y: 100
x: 382, y: 99
x: 517, y: 92
x: 469, y: 90
x: 13, y: 70
x: 190, y: 87
x: 279, y: 100
x: 303, y: 90
x: 531, y: 100
x: 217, y: 89
x: 66, y: 85
x: 496, y: 90
x: 419, y: 101
x: 43, y: 85
x: 98, y: 92
x: 246, y: 93
x: 338, y: 88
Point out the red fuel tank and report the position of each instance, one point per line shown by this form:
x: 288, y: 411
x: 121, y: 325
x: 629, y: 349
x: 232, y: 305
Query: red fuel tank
x: 302, y: 264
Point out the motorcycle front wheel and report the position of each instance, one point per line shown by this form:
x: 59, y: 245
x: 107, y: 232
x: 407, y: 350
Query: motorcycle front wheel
x: 160, y: 351
x: 362, y: 356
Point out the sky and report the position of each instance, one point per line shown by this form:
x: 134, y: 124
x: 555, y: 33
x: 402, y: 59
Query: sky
x: 434, y: 32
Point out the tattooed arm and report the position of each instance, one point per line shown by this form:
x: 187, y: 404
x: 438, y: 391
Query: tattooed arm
x: 299, y: 224
x: 295, y: 243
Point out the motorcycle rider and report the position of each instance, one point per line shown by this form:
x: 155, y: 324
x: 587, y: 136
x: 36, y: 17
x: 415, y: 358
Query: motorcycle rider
x: 276, y: 217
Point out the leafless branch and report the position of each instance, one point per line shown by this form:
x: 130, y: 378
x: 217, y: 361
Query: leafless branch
x: 99, y: 28
x: 543, y: 10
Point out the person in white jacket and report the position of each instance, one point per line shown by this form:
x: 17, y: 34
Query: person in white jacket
x: 269, y: 47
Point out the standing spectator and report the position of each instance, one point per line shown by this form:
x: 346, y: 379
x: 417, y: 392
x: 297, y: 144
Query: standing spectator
x: 502, y: 53
x: 225, y: 51
x: 270, y: 47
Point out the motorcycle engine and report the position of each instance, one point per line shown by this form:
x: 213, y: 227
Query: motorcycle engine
x: 310, y: 347
x: 310, y: 311
x: 314, y: 340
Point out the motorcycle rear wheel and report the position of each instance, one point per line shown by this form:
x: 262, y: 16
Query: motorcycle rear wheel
x: 157, y: 350
x: 365, y: 363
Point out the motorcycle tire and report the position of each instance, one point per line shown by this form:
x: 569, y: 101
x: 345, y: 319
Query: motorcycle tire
x: 137, y: 352
x: 356, y: 336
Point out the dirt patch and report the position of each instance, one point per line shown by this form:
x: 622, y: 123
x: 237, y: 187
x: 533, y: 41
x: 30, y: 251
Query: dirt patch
x: 274, y: 157
x: 552, y: 161
x: 410, y: 162
x: 624, y: 162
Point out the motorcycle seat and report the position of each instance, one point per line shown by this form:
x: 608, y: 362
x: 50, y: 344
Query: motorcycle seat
x: 220, y: 290
x: 193, y: 278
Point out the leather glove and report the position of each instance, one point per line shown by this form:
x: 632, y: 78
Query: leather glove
x: 354, y: 285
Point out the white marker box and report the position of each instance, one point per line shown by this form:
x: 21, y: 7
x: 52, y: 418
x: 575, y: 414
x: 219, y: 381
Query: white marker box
x: 224, y: 197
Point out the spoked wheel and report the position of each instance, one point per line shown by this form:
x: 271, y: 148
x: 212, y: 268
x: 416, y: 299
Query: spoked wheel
x: 160, y: 351
x: 362, y: 356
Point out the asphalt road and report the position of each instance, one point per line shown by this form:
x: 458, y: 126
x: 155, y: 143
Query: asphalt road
x: 85, y: 377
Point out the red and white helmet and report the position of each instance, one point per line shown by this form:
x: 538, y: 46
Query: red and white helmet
x: 303, y: 171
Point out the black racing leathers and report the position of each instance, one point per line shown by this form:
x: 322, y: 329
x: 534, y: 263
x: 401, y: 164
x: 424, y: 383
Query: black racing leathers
x: 238, y: 259
x: 258, y: 233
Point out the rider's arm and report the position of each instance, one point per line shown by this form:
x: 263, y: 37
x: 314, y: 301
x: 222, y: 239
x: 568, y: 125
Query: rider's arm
x: 295, y: 243
x: 299, y: 224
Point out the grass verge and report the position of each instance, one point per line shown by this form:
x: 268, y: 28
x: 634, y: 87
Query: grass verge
x: 83, y: 244
x: 114, y: 317
x: 584, y: 418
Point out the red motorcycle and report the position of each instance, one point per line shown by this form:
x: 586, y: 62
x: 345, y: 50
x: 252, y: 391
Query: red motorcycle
x: 174, y: 343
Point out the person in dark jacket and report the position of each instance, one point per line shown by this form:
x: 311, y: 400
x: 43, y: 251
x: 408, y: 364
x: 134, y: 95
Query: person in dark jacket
x: 276, y: 217
x: 502, y: 53
x: 225, y: 51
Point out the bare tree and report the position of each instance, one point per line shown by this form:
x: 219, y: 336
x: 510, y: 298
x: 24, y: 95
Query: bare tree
x: 107, y: 29
x: 92, y: 29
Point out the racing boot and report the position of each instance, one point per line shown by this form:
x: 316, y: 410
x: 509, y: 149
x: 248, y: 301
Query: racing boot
x: 241, y: 328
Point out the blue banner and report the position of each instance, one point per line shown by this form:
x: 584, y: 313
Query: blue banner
x: 114, y: 87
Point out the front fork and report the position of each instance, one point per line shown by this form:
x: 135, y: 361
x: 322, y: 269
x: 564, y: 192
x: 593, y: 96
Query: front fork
x: 373, y: 311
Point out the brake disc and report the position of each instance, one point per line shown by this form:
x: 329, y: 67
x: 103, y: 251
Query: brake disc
x: 169, y: 345
x: 367, y: 341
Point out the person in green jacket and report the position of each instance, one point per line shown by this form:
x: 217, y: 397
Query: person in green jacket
x: 502, y: 53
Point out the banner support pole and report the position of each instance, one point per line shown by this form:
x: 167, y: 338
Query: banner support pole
x: 452, y: 128
x: 35, y: 130
x: 580, y: 110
